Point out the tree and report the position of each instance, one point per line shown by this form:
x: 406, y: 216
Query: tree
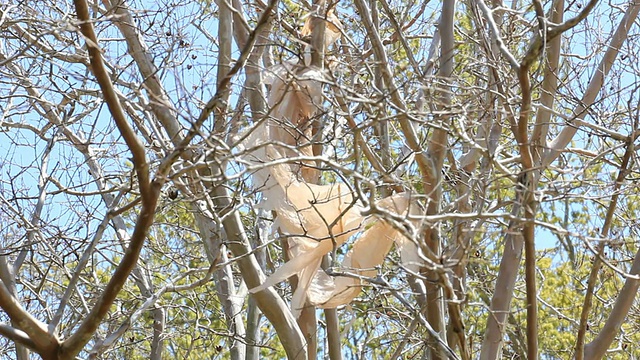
x: 445, y: 180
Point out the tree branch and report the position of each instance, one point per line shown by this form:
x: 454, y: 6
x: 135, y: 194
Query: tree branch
x: 43, y: 342
x: 557, y: 145
x: 18, y: 336
x: 549, y: 85
x: 598, y: 347
x: 612, y: 326
x: 149, y: 193
x: 269, y: 301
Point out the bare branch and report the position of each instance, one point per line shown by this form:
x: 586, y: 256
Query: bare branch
x: 556, y: 145
x: 149, y: 193
x: 598, y: 346
x: 18, y: 336
x: 36, y: 331
x: 496, y: 35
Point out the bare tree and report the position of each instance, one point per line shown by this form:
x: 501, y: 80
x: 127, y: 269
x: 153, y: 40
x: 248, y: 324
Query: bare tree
x: 168, y: 166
